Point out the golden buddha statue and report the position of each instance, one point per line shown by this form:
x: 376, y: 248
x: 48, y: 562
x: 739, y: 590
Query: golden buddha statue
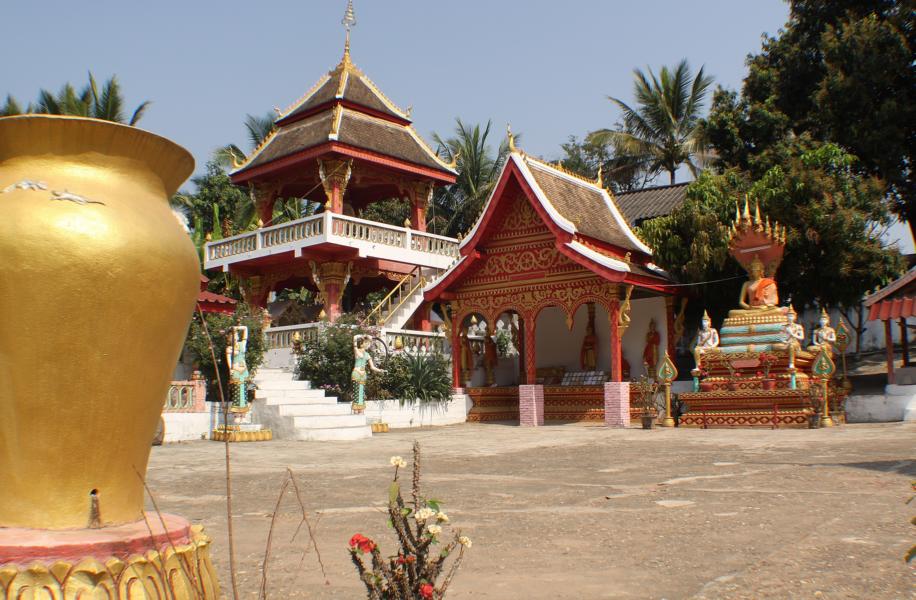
x: 759, y: 295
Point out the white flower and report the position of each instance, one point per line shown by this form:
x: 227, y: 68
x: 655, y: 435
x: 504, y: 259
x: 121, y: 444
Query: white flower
x: 397, y: 461
x: 465, y: 541
x: 423, y: 514
x: 434, y: 529
x: 442, y: 517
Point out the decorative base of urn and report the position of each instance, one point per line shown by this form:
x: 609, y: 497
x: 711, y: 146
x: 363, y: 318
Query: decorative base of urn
x: 156, y: 558
x: 241, y: 434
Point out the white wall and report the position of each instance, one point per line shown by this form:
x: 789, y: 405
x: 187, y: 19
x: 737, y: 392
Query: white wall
x: 634, y: 341
x: 420, y: 415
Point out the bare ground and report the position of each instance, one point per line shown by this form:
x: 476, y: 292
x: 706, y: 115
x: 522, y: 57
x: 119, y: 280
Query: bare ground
x: 580, y: 511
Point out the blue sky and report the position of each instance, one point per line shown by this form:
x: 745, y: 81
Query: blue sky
x: 545, y: 66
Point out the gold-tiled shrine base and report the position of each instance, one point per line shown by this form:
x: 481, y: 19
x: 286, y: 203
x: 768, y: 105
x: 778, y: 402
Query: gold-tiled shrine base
x: 561, y: 403
x: 236, y: 435
x: 747, y: 408
x: 173, y: 572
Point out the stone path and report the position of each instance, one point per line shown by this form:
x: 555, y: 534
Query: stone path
x: 580, y: 511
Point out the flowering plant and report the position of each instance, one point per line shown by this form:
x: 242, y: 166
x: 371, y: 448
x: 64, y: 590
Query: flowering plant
x: 767, y: 361
x: 414, y: 572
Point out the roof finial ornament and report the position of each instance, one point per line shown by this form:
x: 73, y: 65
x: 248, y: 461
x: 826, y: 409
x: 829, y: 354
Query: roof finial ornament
x: 600, y: 181
x: 512, y: 147
x: 348, y: 22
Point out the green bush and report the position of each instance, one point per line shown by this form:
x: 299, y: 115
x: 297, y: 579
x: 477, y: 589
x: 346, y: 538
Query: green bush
x: 198, y: 346
x: 413, y: 378
x: 327, y: 360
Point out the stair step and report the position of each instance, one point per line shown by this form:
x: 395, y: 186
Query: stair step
x: 329, y: 421
x: 300, y: 399
x: 334, y: 434
x: 314, y: 410
x: 283, y: 385
x: 291, y: 394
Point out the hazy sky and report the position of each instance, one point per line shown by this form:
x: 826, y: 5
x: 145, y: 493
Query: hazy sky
x: 545, y: 66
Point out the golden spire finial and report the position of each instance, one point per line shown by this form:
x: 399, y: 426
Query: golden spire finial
x: 600, y: 181
x: 348, y: 22
x: 512, y: 147
x: 756, y: 213
x: 747, y: 209
x: 455, y: 157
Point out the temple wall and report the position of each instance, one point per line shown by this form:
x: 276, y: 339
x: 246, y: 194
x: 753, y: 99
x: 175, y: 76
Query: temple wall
x: 557, y: 346
x: 634, y: 341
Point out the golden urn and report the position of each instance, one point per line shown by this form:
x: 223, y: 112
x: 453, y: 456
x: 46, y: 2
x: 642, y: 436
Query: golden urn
x: 98, y: 282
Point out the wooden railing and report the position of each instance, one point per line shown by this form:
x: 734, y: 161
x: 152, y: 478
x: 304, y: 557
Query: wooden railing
x: 328, y: 225
x: 396, y: 339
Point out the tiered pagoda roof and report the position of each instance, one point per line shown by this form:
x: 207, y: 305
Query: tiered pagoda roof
x: 344, y: 112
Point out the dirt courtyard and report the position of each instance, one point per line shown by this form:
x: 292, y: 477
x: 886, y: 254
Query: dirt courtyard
x: 579, y: 511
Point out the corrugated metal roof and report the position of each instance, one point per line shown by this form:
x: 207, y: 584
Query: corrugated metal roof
x: 652, y: 202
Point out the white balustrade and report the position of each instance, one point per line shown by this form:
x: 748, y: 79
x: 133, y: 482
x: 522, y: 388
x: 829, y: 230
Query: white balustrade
x: 285, y: 233
x: 410, y: 340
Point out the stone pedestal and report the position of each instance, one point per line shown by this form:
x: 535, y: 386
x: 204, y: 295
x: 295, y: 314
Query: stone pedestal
x: 531, y: 405
x: 617, y: 404
x: 156, y: 558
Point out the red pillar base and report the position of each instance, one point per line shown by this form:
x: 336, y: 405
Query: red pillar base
x: 617, y: 404
x: 531, y: 405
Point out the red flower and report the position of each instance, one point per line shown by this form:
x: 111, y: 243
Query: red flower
x: 410, y: 558
x: 426, y: 590
x: 361, y: 542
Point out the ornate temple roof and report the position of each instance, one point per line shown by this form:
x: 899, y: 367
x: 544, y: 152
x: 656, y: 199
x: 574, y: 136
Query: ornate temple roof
x: 648, y: 203
x: 345, y: 108
x: 588, y: 226
x: 575, y: 204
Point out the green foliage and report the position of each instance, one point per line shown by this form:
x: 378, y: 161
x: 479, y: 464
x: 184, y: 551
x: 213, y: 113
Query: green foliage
x: 197, y: 345
x: 455, y: 208
x: 413, y: 378
x: 257, y: 129
x: 105, y: 103
x: 327, y: 360
x: 621, y: 173
x: 663, y: 131
x: 392, y: 211
x: 834, y: 217
x: 839, y: 72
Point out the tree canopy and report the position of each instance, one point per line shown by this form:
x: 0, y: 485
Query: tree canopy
x: 840, y: 72
x: 662, y: 131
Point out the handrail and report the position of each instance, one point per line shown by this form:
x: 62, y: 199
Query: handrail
x: 387, y: 299
x: 421, y: 282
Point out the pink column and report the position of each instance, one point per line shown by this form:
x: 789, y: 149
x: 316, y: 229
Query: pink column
x: 531, y: 405
x: 617, y: 404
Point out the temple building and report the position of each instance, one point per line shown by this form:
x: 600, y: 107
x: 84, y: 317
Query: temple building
x: 552, y: 267
x: 343, y: 146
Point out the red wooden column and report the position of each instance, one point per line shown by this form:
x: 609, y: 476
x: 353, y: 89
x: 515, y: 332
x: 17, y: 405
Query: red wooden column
x: 669, y: 324
x: 529, y: 349
x: 456, y: 355
x: 421, y: 320
x: 889, y: 342
x: 335, y: 175
x: 616, y: 350
x: 904, y: 342
x: 420, y: 197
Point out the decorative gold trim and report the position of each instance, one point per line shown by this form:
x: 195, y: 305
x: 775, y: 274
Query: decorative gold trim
x: 182, y: 572
x: 220, y: 435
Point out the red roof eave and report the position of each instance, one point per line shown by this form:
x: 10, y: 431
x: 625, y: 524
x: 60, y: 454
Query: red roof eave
x: 246, y: 175
x: 888, y: 310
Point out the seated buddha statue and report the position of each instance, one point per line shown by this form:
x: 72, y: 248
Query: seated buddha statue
x: 759, y: 295
x: 824, y: 337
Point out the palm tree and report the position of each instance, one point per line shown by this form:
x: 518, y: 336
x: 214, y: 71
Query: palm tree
x: 258, y: 129
x: 106, y: 103
x: 456, y: 207
x: 663, y: 131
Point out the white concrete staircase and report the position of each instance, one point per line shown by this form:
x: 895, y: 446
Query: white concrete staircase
x: 294, y: 411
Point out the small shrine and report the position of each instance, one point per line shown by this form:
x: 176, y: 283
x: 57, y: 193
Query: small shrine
x: 342, y: 146
x: 549, y: 282
x: 757, y: 370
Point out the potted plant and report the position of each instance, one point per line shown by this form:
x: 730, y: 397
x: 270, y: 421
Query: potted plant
x: 733, y: 381
x: 767, y: 361
x: 643, y: 393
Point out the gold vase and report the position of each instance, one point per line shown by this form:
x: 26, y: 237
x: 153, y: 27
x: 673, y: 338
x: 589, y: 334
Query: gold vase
x: 97, y: 285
